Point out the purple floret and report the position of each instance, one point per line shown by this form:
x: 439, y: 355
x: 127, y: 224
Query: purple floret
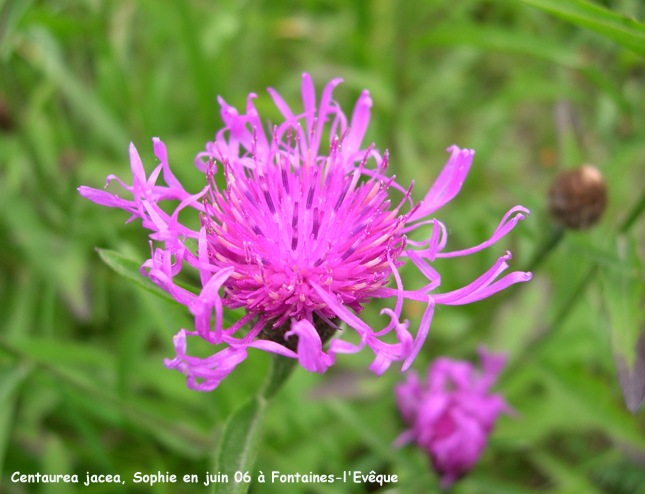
x: 451, y: 413
x: 301, y: 239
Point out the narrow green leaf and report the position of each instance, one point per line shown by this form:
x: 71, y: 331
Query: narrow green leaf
x: 238, y: 446
x: 176, y: 435
x: 68, y: 353
x: 619, y: 28
x: 10, y: 380
x: 11, y: 13
x: 481, y: 482
x: 103, y: 402
x: 497, y: 39
x: 589, y: 404
x: 56, y: 460
x: 563, y: 475
x: 372, y: 438
x: 41, y: 50
x: 130, y: 269
x: 34, y: 237
x: 88, y: 432
x: 623, y: 297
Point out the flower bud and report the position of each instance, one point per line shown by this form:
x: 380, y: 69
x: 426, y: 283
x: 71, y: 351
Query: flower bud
x: 578, y: 197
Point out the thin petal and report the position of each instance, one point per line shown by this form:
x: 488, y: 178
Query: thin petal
x: 422, y: 334
x: 448, y: 183
x: 310, y: 354
x: 501, y: 230
x: 358, y: 125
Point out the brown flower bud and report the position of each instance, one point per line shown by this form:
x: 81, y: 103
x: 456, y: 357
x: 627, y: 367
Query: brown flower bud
x: 578, y: 197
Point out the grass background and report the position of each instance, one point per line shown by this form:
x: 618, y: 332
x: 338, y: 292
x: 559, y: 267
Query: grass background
x: 82, y: 385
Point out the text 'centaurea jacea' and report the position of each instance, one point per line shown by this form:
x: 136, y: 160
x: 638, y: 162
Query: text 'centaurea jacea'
x: 299, y: 238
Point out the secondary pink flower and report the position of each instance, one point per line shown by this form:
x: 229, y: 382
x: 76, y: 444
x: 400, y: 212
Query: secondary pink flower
x: 452, y: 412
x: 299, y: 237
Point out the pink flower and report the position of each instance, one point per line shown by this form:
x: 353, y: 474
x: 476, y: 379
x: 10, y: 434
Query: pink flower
x: 299, y: 238
x: 451, y: 414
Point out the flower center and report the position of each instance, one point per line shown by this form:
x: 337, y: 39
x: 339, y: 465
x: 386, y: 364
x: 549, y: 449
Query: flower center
x: 286, y: 226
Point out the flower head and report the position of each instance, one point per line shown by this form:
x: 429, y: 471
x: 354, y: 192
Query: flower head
x: 299, y: 237
x: 452, y: 412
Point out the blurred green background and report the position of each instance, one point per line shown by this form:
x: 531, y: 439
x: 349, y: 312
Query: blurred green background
x: 82, y: 382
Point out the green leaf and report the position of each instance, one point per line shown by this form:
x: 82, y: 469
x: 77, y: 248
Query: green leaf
x: 101, y: 401
x: 56, y: 460
x: 494, y: 38
x: 30, y: 232
x: 10, y: 380
x: 70, y: 354
x: 563, y: 475
x: 619, y: 28
x: 590, y: 403
x: 238, y: 445
x: 12, y: 13
x: 42, y: 51
x: 488, y: 484
x: 370, y: 437
x: 623, y: 297
x: 130, y: 269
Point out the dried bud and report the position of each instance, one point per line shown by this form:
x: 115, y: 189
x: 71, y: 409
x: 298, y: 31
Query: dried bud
x: 578, y: 197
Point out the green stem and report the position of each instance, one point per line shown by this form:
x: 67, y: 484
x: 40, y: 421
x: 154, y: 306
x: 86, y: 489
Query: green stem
x: 241, y: 435
x: 557, y: 234
x: 572, y: 301
x: 633, y: 216
x: 533, y: 347
x: 530, y: 350
x: 279, y: 372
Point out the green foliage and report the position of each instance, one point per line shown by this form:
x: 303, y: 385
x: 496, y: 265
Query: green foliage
x: 130, y: 269
x: 534, y: 87
x: 238, y: 446
x: 622, y: 29
x: 624, y: 298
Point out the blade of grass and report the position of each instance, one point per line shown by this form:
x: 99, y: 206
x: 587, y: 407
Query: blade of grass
x: 10, y: 381
x: 41, y: 50
x: 502, y: 40
x: 623, y: 296
x: 616, y: 27
x: 190, y: 442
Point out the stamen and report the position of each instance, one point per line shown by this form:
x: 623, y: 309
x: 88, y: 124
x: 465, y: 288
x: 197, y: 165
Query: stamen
x: 285, y: 180
x: 316, y: 225
x: 294, y: 226
x: 342, y: 194
x: 267, y: 196
x: 294, y: 221
x: 310, y: 197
